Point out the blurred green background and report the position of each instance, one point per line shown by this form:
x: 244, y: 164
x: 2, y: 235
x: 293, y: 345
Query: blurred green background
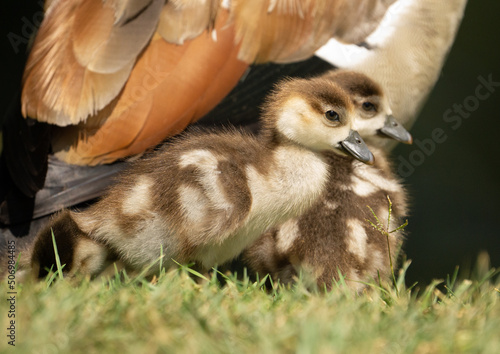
x: 455, y: 191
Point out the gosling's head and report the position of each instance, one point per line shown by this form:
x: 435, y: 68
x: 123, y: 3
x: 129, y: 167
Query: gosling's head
x: 374, y: 116
x: 317, y: 114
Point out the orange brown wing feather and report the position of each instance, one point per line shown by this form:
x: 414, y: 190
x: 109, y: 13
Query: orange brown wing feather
x: 81, y: 58
x: 181, y: 20
x: 170, y: 87
x: 292, y: 30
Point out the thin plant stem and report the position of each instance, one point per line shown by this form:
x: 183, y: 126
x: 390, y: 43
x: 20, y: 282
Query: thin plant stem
x: 385, y: 231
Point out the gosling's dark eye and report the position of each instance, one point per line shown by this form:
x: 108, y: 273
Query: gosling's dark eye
x: 368, y: 106
x: 332, y: 116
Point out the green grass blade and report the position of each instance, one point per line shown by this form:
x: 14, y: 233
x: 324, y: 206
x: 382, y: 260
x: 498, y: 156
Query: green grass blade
x: 58, y: 260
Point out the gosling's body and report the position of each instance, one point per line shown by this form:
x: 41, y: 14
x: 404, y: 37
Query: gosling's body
x: 200, y: 201
x: 207, y: 196
x: 334, y: 237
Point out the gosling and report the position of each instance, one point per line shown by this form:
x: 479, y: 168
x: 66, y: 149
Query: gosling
x: 334, y: 238
x: 208, y: 195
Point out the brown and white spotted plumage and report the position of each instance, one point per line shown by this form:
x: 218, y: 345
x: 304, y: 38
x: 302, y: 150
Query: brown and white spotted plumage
x: 207, y: 196
x: 334, y: 235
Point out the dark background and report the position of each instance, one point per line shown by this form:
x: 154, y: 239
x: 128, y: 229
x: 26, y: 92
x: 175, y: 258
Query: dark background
x: 455, y: 191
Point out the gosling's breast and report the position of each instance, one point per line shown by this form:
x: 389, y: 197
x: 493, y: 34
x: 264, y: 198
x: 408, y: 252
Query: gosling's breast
x: 294, y: 180
x: 297, y: 178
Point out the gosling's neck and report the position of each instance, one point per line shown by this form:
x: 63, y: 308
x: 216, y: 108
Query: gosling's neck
x: 269, y: 134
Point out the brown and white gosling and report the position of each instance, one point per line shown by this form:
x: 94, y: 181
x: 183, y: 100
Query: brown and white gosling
x: 333, y: 237
x: 207, y: 196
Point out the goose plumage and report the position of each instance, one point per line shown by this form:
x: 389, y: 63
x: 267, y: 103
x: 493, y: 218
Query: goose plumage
x: 105, y: 65
x: 117, y: 130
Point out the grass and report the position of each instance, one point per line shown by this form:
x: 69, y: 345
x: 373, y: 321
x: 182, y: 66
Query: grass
x: 181, y: 312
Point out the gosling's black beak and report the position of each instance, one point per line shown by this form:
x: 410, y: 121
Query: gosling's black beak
x: 355, y: 145
x: 393, y: 129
